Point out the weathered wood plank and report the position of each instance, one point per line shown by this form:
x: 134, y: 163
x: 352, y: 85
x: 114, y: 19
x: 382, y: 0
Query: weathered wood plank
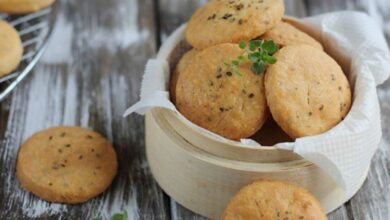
x: 173, y: 13
x: 90, y: 74
x: 318, y: 7
x: 295, y: 8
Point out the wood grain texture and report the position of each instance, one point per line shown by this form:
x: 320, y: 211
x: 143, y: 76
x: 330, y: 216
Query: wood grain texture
x: 92, y: 72
x: 108, y: 43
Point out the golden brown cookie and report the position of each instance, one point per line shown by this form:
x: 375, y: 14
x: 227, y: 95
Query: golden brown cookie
x: 307, y: 91
x: 273, y: 200
x: 232, y: 21
x: 213, y: 97
x: 183, y: 63
x: 286, y: 34
x: 66, y: 164
x: 23, y: 6
x: 11, y: 48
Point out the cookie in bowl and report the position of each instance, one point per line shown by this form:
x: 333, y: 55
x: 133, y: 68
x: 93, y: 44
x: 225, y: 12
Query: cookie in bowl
x: 286, y: 34
x: 210, y: 95
x: 232, y: 21
x: 11, y: 48
x: 307, y: 91
x: 186, y: 59
x: 273, y: 200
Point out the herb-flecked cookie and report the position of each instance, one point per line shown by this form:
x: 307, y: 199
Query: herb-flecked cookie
x: 23, y: 6
x: 273, y: 200
x: 307, y: 91
x: 286, y: 34
x: 186, y: 59
x: 11, y: 48
x: 213, y: 97
x: 66, y: 164
x: 223, y: 21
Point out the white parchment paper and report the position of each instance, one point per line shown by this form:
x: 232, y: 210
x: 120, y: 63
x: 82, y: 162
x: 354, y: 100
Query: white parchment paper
x: 343, y: 152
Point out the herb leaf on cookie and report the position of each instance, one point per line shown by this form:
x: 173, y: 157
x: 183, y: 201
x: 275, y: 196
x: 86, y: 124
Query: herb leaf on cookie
x: 258, y: 52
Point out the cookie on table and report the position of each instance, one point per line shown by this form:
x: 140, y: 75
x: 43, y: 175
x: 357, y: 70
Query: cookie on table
x: 307, y: 91
x: 210, y: 95
x: 183, y: 63
x: 11, y: 48
x: 66, y: 164
x: 273, y: 200
x: 286, y: 34
x: 23, y: 6
x: 220, y: 21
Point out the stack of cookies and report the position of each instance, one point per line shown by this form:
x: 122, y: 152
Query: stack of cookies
x: 305, y: 91
x: 11, y: 47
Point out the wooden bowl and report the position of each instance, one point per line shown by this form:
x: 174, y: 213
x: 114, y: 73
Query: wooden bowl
x: 202, y: 172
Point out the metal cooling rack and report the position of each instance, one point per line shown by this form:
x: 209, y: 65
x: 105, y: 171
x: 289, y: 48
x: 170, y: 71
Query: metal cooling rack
x: 34, y: 30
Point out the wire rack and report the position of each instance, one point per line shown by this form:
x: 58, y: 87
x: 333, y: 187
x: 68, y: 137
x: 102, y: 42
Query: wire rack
x: 34, y: 30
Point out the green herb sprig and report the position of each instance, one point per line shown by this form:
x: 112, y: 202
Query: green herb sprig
x: 117, y: 216
x: 258, y: 52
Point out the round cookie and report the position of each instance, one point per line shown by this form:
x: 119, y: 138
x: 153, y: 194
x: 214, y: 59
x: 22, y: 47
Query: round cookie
x: 286, y: 34
x: 213, y: 97
x: 183, y: 63
x: 66, y: 164
x: 23, y: 6
x: 11, y: 48
x: 273, y: 200
x: 307, y: 91
x: 232, y: 21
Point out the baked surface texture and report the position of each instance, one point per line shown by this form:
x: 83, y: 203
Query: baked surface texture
x: 307, y: 91
x: 286, y: 34
x: 66, y: 164
x: 183, y: 63
x: 210, y: 95
x: 220, y: 21
x: 272, y: 200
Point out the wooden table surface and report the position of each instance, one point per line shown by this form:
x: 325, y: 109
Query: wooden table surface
x: 91, y: 73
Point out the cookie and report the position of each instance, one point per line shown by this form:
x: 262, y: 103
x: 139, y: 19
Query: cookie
x: 23, y: 6
x: 307, y: 91
x: 232, y: 21
x: 66, y: 164
x: 210, y: 95
x: 11, y: 48
x: 286, y: 34
x: 273, y: 200
x: 183, y: 63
